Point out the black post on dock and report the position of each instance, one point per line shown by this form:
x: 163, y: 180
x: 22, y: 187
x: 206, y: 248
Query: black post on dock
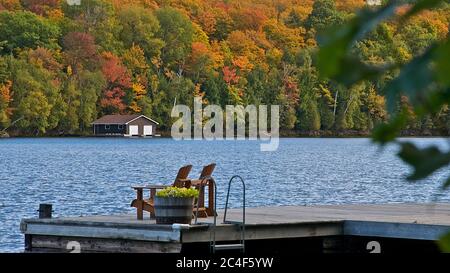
x: 45, y: 211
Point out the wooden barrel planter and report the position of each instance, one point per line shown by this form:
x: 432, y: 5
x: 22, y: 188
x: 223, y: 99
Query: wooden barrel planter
x: 173, y: 210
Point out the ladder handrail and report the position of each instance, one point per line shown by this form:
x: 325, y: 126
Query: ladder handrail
x: 214, y: 225
x: 243, y: 208
x: 228, y: 197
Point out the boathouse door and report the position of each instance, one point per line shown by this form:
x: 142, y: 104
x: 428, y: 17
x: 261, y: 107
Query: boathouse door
x: 148, y: 130
x: 134, y: 130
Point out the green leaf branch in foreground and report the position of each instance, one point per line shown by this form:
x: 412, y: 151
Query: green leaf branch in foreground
x: 422, y: 81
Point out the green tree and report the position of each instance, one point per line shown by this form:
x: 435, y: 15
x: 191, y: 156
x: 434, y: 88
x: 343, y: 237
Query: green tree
x: 258, y: 85
x: 90, y: 85
x: 309, y: 116
x: 26, y: 78
x: 179, y: 90
x: 36, y: 111
x: 294, y: 19
x: 177, y: 33
x: 307, y: 78
x: 327, y: 117
x: 419, y: 37
x: 4, y: 71
x: 98, y: 18
x: 71, y: 96
x: 323, y: 15
x: 24, y: 29
x: 215, y: 90
x: 139, y: 27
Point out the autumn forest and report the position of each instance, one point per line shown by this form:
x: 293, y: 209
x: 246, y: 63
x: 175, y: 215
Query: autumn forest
x: 63, y: 66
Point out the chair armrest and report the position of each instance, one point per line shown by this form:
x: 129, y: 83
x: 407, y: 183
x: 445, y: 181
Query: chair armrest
x: 150, y: 187
x: 184, y: 180
x: 198, y: 182
x: 156, y: 187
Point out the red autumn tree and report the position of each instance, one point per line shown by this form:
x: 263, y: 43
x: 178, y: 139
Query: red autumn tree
x: 118, y: 82
x: 229, y: 75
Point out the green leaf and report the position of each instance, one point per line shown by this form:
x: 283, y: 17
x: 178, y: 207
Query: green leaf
x: 442, y: 62
x: 424, y: 161
x: 433, y: 102
x: 334, y: 45
x: 387, y: 132
x: 444, y: 243
x: 413, y: 80
x: 355, y: 71
x: 446, y: 184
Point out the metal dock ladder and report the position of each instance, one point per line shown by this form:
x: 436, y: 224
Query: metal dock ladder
x: 240, y: 225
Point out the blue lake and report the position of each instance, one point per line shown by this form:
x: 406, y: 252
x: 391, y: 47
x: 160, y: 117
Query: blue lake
x: 85, y: 176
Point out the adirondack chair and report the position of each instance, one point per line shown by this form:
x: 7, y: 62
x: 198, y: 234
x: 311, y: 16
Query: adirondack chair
x: 142, y: 204
x: 203, y: 211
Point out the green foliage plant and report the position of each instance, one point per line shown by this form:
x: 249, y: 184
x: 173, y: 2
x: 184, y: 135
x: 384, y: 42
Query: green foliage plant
x: 178, y: 192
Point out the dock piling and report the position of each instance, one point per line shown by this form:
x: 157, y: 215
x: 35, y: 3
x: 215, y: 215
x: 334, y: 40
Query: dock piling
x: 45, y: 211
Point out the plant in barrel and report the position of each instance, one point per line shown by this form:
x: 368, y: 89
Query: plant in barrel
x: 175, y: 205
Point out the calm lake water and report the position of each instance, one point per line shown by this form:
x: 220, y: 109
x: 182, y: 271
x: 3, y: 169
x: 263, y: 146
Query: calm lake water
x: 93, y: 176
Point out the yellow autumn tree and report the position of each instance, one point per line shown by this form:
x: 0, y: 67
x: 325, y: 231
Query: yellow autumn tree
x: 139, y: 93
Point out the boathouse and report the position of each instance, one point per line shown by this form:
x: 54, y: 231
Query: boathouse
x: 125, y: 125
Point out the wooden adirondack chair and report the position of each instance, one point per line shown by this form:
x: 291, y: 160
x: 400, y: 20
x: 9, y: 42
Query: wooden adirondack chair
x: 142, y: 204
x: 202, y: 210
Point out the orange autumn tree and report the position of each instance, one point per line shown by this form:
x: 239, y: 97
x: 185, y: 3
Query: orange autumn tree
x: 207, y: 20
x: 281, y: 36
x: 151, y: 4
x: 10, y: 5
x: 249, y: 18
x: 200, y: 61
x: 118, y: 83
x: 5, y: 99
x: 350, y: 5
x: 242, y: 44
x: 243, y: 64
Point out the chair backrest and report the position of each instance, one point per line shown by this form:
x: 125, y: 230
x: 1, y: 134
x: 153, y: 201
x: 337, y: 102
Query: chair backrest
x: 183, y: 173
x: 207, y: 171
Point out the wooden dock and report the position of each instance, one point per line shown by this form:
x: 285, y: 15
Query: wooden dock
x: 123, y: 233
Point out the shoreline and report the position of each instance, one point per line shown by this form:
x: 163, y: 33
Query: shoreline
x: 283, y: 134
